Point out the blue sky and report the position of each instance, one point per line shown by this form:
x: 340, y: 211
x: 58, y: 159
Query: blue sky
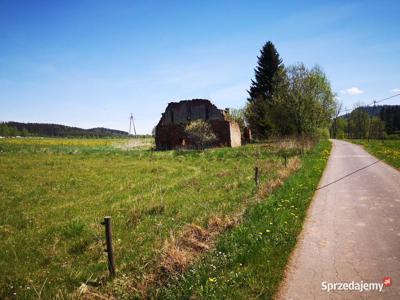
x: 91, y: 63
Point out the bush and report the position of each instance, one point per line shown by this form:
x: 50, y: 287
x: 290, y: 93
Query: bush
x: 200, y: 134
x: 323, y: 133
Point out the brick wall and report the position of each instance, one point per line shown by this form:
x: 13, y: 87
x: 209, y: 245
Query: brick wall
x: 170, y: 132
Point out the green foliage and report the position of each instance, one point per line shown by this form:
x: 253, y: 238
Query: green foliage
x: 376, y: 128
x: 249, y: 261
x: 73, y: 229
x: 323, y: 133
x: 305, y: 104
x: 358, y: 124
x: 269, y: 74
x: 11, y: 131
x: 369, y: 122
x: 56, y: 130
x: 341, y: 125
x: 390, y: 115
x: 237, y: 115
x: 258, y: 117
x: 288, y: 101
x: 200, y: 134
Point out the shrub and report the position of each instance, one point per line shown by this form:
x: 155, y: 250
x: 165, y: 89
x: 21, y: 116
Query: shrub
x: 200, y: 134
x: 323, y: 133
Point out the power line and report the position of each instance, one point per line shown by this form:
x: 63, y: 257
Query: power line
x: 347, y: 175
x: 373, y: 102
x: 385, y: 99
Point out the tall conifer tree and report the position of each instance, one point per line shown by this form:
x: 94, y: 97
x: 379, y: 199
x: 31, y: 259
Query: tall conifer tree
x: 269, y: 76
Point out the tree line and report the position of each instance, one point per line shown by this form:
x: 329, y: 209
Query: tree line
x: 378, y: 122
x: 288, y: 100
x: 298, y: 101
x: 10, y: 129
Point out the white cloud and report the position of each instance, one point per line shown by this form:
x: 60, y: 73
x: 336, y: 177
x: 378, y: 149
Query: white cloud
x: 395, y: 90
x: 352, y: 91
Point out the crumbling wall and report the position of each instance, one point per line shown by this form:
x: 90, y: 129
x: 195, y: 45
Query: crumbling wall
x: 247, y: 137
x: 189, y: 110
x: 169, y: 136
x: 222, y: 132
x: 235, y: 134
x: 170, y: 130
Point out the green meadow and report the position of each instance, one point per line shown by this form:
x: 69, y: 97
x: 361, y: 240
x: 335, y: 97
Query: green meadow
x: 386, y: 150
x: 55, y: 192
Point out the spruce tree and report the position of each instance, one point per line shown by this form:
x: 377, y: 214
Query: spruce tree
x: 269, y: 76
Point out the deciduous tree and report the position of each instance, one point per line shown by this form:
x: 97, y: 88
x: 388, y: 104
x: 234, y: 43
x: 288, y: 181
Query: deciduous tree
x: 305, y: 104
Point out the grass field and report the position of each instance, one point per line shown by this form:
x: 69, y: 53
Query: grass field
x: 55, y: 192
x: 249, y: 261
x: 387, y: 150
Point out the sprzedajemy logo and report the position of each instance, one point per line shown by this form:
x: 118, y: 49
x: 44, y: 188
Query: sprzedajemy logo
x: 359, y: 286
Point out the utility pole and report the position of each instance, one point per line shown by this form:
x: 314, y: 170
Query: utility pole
x: 132, y: 125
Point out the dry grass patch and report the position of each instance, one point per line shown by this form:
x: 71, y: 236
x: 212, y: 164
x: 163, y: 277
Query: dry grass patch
x: 180, y: 252
x: 85, y: 292
x: 294, y: 144
x: 137, y: 215
x: 223, y: 174
x: 293, y: 164
x: 268, y: 187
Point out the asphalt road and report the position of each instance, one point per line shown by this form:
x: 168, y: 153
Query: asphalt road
x: 352, y: 232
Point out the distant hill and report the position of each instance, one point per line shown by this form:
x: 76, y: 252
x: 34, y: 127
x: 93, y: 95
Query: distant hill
x: 56, y: 130
x: 390, y: 114
x: 375, y: 111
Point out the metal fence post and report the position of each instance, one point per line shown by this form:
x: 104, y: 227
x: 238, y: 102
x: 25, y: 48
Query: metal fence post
x: 109, y: 245
x: 256, y: 176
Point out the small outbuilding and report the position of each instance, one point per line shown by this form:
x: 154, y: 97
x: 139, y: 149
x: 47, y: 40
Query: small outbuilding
x: 170, y: 130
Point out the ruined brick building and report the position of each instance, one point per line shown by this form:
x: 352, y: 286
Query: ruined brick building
x: 170, y: 134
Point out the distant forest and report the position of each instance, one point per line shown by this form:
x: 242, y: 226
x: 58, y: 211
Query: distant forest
x: 369, y: 122
x: 55, y: 130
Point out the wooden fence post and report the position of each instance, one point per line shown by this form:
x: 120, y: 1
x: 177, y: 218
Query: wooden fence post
x: 285, y: 160
x: 256, y: 176
x: 109, y: 249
